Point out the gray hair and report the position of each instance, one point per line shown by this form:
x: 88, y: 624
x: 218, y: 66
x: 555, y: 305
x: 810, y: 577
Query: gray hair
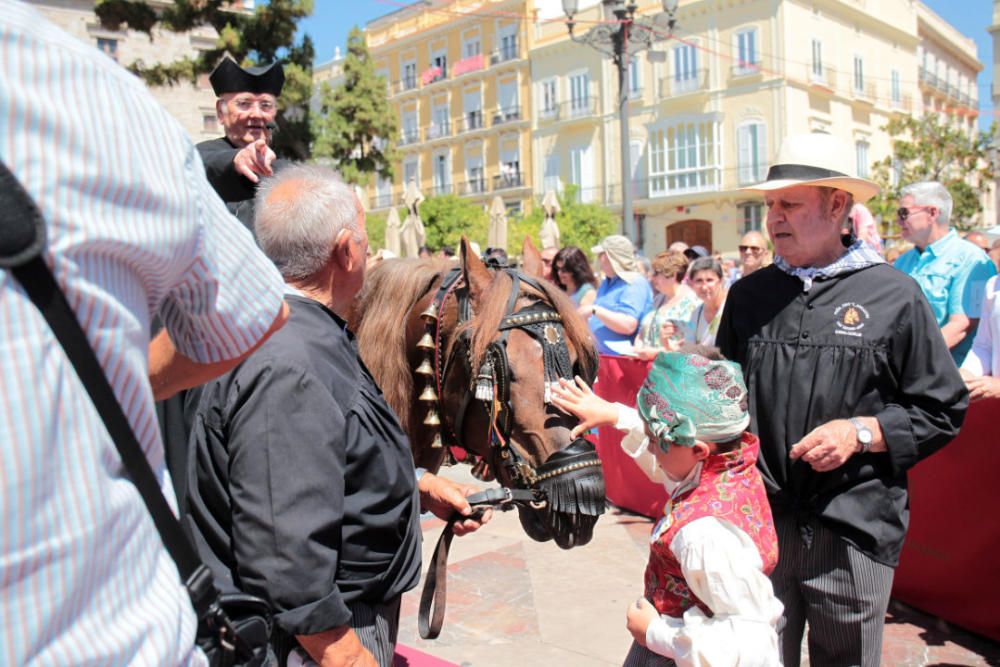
x: 298, y: 232
x: 705, y: 264
x: 930, y: 193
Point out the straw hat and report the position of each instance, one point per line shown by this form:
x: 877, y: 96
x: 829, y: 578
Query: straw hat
x: 621, y: 254
x: 816, y: 159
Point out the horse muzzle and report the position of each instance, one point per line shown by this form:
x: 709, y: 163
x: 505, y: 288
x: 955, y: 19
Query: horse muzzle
x: 573, y: 483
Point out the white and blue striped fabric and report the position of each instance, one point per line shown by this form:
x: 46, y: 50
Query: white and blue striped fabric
x: 134, y: 228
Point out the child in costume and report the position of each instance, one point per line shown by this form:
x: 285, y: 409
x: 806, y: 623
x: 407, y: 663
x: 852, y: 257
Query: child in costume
x: 708, y: 600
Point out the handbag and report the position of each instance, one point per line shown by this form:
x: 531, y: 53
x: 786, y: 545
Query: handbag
x: 232, y: 629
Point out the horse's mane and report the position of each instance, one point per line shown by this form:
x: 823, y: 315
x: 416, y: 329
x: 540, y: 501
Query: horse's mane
x: 383, y: 307
x: 380, y: 314
x: 494, y: 306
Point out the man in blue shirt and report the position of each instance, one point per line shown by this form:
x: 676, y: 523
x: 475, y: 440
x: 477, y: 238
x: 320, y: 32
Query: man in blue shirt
x: 951, y: 271
x: 623, y: 297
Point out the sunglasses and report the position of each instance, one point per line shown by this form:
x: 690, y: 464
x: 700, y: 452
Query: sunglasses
x: 903, y: 212
x: 750, y: 249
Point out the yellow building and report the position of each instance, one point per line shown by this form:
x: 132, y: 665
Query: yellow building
x: 737, y: 77
x: 458, y: 79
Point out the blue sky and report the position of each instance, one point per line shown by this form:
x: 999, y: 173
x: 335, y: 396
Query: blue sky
x: 333, y: 19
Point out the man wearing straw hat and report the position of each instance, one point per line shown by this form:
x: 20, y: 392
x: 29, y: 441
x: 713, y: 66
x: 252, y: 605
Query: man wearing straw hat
x: 850, y: 386
x: 623, y: 297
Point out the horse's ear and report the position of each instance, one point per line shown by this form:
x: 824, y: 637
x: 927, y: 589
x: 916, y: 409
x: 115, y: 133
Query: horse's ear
x: 477, y: 276
x: 531, y: 259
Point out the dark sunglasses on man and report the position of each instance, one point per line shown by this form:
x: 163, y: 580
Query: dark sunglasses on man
x: 750, y: 249
x: 903, y: 212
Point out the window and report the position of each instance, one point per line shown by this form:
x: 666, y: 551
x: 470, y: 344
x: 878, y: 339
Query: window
x: 752, y: 152
x: 409, y: 77
x: 209, y: 123
x: 507, y: 101
x: 472, y: 108
x: 897, y: 96
x: 685, y: 68
x: 383, y: 192
x: 510, y: 166
x: 410, y: 131
x: 634, y: 76
x: 411, y: 168
x: 508, y: 46
x: 439, y: 122
x: 108, y: 47
x: 817, y: 60
x: 684, y: 157
x: 859, y: 74
x: 863, y: 166
x: 472, y: 47
x: 441, y: 174
x: 549, y: 100
x: 475, y: 175
x: 753, y: 217
x: 747, y: 59
x: 551, y: 181
x: 581, y: 172
x: 579, y: 93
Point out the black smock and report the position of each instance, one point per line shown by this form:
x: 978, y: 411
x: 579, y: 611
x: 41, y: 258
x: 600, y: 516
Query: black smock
x: 859, y: 344
x: 233, y: 187
x: 303, y: 489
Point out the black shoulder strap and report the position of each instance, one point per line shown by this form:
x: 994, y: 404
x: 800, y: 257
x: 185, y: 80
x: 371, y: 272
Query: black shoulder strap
x: 22, y: 238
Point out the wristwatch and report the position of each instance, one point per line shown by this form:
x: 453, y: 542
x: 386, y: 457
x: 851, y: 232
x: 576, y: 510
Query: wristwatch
x: 865, y: 436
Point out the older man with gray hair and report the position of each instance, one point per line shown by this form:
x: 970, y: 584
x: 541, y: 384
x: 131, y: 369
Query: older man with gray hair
x: 951, y: 271
x: 849, y: 387
x: 294, y: 448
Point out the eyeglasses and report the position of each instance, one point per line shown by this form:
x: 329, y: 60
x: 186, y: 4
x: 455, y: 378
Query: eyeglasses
x: 903, y: 212
x: 750, y: 249
x: 562, y: 269
x: 245, y: 104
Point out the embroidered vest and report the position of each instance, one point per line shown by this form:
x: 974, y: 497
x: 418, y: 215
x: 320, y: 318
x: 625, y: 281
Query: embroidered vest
x: 730, y: 488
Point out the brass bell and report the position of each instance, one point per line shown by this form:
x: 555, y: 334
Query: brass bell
x: 428, y: 394
x: 425, y: 368
x: 430, y: 313
x: 432, y: 419
x: 436, y: 444
x: 426, y: 342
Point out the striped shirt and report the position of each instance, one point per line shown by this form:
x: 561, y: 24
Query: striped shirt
x: 134, y: 229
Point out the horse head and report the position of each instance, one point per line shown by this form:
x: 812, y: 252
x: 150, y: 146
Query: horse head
x: 523, y: 334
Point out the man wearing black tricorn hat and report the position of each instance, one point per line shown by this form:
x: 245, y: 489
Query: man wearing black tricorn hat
x: 247, y: 105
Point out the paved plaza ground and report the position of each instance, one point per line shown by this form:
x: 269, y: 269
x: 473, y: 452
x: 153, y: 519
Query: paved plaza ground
x: 512, y: 601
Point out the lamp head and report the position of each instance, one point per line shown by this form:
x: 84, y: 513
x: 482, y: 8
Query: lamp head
x: 570, y: 7
x: 670, y: 6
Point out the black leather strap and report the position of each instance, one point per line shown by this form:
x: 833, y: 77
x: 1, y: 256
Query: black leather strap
x: 433, y: 598
x: 21, y: 220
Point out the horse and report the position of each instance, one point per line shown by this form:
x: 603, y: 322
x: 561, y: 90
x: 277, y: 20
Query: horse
x: 465, y: 356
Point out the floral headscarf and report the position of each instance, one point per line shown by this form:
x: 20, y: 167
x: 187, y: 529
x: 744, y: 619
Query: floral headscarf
x: 686, y: 396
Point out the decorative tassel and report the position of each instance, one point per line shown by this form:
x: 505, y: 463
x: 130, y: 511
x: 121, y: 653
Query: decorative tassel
x: 436, y: 444
x: 432, y: 419
x: 484, y: 383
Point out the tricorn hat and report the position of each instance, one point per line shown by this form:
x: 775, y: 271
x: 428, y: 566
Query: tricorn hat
x: 819, y: 160
x: 228, y: 77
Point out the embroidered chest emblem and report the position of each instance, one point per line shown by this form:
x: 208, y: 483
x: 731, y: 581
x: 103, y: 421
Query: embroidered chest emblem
x: 850, y: 318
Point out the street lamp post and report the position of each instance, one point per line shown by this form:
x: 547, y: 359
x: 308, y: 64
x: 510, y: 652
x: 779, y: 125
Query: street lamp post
x: 621, y: 37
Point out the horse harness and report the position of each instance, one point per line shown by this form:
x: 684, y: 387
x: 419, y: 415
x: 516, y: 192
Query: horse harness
x: 490, y: 387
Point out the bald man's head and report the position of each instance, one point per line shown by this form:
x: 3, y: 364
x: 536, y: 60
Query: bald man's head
x: 753, y: 252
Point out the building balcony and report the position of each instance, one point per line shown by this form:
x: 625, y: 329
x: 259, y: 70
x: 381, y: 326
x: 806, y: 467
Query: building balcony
x: 692, y: 82
x: 472, y: 120
x: 441, y: 189
x: 509, y: 181
x: 408, y: 137
x: 508, y: 115
x: 438, y: 131
x: 405, y: 84
x: 824, y: 77
x: 470, y: 64
x: 505, y: 54
x: 866, y: 92
x: 746, y: 69
x: 382, y: 201
x: 639, y: 189
x: 475, y: 186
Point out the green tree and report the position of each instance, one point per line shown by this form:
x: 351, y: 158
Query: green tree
x: 255, y: 38
x: 448, y: 218
x: 580, y: 224
x: 924, y: 149
x: 355, y: 126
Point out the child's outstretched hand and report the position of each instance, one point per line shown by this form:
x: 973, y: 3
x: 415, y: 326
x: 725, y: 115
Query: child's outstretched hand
x: 638, y: 617
x: 577, y: 399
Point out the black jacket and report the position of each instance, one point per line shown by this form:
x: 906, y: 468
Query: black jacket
x: 302, y: 489
x: 860, y: 344
x: 233, y: 187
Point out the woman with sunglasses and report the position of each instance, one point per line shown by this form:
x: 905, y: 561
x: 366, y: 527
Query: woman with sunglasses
x: 674, y: 302
x: 571, y: 271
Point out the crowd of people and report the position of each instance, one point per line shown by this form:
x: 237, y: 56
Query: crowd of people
x: 784, y: 451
